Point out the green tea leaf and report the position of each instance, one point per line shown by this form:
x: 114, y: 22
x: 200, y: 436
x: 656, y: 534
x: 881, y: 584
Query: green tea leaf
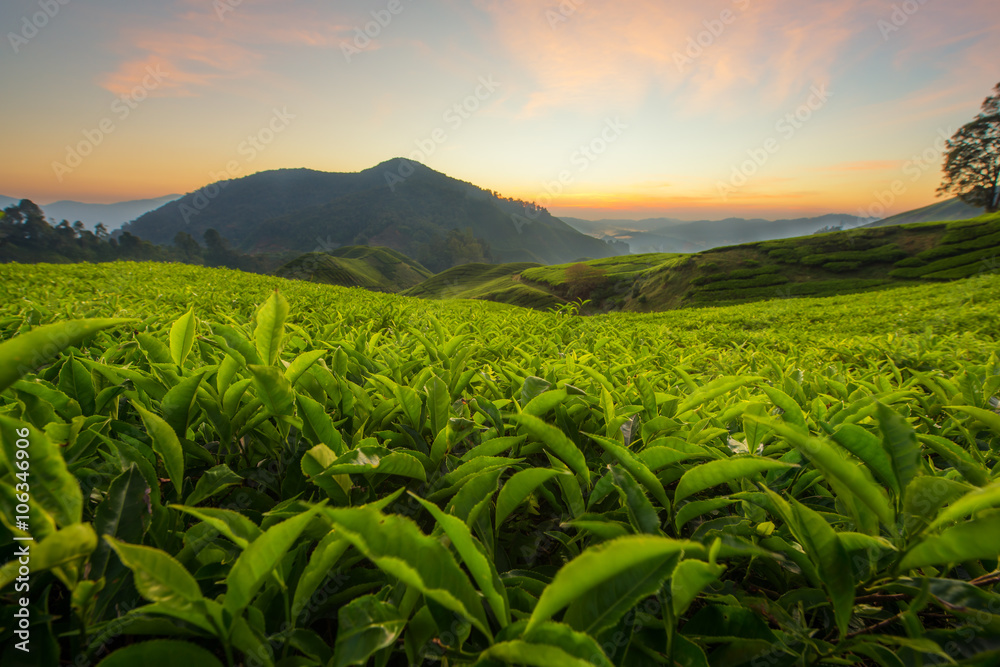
x: 158, y: 577
x: 365, y: 625
x: 260, y: 558
x: 182, y: 337
x: 270, y: 331
x: 52, y: 486
x: 24, y: 353
x: 166, y: 445
x: 720, y: 471
x: 598, y: 565
x: 161, y: 653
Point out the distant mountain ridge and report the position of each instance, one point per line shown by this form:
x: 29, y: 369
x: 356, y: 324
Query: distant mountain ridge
x: 670, y: 235
x: 112, y: 215
x: 398, y: 204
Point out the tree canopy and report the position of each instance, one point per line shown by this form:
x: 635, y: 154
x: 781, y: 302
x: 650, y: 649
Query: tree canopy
x: 972, y: 164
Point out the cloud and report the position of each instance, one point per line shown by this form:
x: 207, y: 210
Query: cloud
x: 208, y: 43
x: 604, y: 54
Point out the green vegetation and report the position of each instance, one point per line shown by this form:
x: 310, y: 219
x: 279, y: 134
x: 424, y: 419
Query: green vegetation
x: 225, y: 474
x: 605, y: 283
x: 487, y: 282
x: 856, y: 260
x: 972, y: 162
x: 376, y: 269
x: 626, y: 266
x: 27, y: 237
x: 439, y: 221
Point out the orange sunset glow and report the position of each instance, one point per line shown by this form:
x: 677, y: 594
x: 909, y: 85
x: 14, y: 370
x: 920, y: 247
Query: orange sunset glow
x: 764, y: 108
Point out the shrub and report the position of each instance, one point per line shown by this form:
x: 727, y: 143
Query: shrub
x: 960, y: 233
x: 758, y: 281
x: 842, y: 267
x: 886, y: 253
x: 784, y: 255
x: 947, y: 263
x: 952, y: 249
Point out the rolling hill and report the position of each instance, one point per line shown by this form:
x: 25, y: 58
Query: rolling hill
x: 376, y: 269
x: 858, y: 260
x: 952, y: 209
x: 487, y: 282
x: 542, y: 287
x: 398, y: 204
x: 828, y: 264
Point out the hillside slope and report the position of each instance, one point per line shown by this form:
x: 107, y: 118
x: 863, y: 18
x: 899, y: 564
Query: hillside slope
x: 300, y: 210
x: 487, y: 282
x: 821, y: 265
x: 376, y: 269
x: 952, y: 209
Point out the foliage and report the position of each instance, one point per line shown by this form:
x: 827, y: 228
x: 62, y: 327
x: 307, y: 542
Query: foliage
x: 27, y: 237
x: 377, y: 269
x: 439, y: 221
x: 582, y: 279
x: 855, y: 260
x: 323, y: 476
x: 972, y: 163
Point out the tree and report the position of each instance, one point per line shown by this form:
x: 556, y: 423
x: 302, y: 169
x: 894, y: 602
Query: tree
x: 187, y: 246
x: 972, y: 164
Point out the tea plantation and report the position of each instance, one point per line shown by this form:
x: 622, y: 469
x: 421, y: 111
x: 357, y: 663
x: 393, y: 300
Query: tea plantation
x: 218, y: 468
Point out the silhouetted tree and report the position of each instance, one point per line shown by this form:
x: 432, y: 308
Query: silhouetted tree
x: 972, y: 164
x: 187, y: 246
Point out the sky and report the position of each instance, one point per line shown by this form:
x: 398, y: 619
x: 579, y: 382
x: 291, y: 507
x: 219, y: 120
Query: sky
x: 621, y: 109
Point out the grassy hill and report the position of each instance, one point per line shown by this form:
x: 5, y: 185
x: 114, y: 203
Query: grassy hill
x: 607, y: 282
x: 488, y: 282
x: 857, y: 260
x: 376, y: 269
x: 853, y: 261
x: 532, y: 285
x: 952, y: 209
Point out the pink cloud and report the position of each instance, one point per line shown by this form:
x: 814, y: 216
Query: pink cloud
x: 605, y: 54
x: 204, y: 46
